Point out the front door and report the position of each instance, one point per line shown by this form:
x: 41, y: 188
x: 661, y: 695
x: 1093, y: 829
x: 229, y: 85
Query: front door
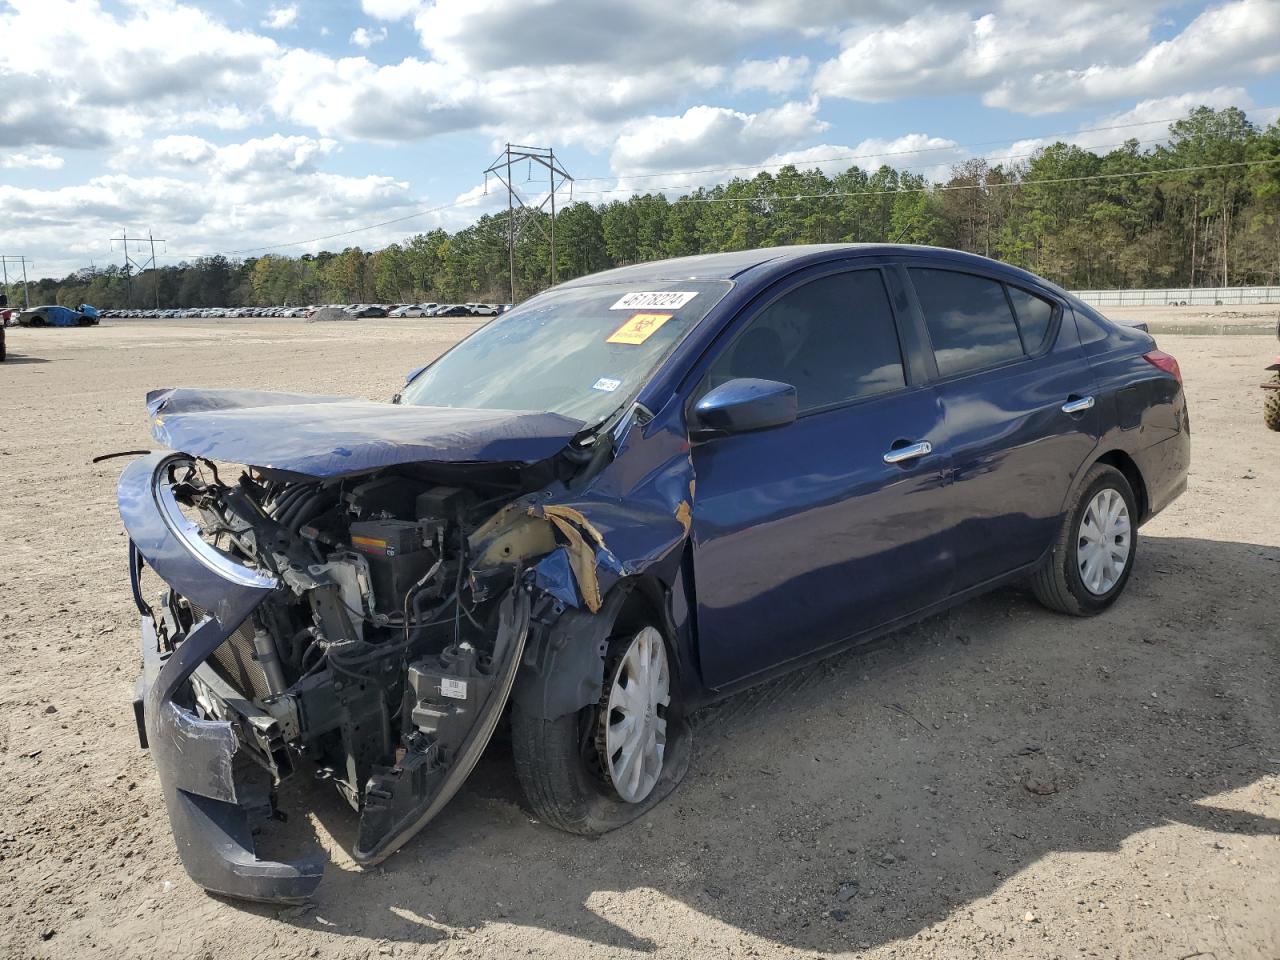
x: 804, y: 535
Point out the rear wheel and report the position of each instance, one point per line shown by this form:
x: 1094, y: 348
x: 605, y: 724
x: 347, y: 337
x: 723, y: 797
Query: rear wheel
x: 1092, y: 557
x: 1271, y: 409
x: 603, y: 766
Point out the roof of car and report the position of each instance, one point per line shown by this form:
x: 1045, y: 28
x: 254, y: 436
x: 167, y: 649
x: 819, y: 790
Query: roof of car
x: 727, y: 266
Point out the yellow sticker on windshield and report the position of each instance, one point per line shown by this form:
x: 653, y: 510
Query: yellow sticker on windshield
x: 639, y: 328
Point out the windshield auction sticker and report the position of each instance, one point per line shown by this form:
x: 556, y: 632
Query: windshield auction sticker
x: 651, y: 300
x: 639, y: 328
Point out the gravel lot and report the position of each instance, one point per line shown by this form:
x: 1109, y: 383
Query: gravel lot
x: 995, y: 780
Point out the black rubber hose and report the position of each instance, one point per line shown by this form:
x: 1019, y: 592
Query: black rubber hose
x: 285, y: 518
x: 308, y: 511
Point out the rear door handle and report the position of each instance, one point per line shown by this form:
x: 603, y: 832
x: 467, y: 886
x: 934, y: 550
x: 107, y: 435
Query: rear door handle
x: 1078, y: 406
x: 909, y: 452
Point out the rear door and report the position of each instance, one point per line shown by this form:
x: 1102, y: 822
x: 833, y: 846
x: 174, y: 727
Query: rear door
x: 1019, y: 414
x: 804, y: 535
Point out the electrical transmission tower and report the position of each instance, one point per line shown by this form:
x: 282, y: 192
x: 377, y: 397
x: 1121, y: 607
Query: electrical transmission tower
x: 140, y: 265
x: 4, y: 265
x: 521, y: 212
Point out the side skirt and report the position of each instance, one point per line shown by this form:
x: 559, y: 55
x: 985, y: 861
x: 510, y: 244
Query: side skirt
x: 866, y: 636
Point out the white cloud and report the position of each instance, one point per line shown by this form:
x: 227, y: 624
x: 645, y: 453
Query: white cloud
x: 218, y: 206
x: 1235, y: 39
x: 148, y: 64
x: 367, y: 38
x: 282, y: 17
x: 710, y: 136
x: 182, y: 151
x: 776, y: 76
x: 29, y: 161
x: 938, y: 52
x: 390, y: 9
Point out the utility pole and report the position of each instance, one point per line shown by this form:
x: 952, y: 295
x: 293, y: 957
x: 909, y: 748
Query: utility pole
x: 519, y: 211
x: 4, y: 265
x: 140, y: 265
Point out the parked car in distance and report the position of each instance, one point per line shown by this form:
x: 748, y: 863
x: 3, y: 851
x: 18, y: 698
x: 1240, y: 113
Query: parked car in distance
x: 452, y: 310
x: 630, y: 494
x: 408, y: 310
x: 50, y: 315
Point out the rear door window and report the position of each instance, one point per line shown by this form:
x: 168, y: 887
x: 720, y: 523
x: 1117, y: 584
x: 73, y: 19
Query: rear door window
x: 833, y: 339
x: 970, y: 323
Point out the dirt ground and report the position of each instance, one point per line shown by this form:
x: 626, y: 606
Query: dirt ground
x: 996, y: 780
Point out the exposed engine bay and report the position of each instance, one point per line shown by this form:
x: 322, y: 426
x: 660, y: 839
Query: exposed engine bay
x: 386, y: 633
x: 362, y: 607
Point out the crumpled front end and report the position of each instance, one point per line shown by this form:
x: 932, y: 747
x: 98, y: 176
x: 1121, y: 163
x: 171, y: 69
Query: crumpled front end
x: 330, y: 625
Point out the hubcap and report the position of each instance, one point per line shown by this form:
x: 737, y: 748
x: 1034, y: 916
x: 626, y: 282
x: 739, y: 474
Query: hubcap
x: 1102, y: 545
x: 635, y: 721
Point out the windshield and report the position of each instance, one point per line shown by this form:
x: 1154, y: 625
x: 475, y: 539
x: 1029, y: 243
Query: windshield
x: 581, y: 352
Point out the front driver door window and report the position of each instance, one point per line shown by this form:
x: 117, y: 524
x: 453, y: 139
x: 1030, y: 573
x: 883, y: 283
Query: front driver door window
x: 802, y: 535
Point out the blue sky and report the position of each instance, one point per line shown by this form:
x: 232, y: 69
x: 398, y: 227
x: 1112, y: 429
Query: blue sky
x: 237, y: 126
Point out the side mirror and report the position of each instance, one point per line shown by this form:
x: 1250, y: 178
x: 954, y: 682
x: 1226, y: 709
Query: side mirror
x: 412, y: 374
x: 741, y: 406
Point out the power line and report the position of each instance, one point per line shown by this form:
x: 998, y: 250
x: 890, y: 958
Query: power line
x: 1014, y: 156
x: 868, y: 156
x: 347, y: 233
x: 812, y: 196
x: 681, y: 173
x: 946, y: 188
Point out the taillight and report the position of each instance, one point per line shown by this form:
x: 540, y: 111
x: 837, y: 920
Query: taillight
x: 1162, y: 360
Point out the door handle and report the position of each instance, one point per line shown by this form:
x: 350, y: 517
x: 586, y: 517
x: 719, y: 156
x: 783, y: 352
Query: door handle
x: 909, y: 452
x: 1078, y: 406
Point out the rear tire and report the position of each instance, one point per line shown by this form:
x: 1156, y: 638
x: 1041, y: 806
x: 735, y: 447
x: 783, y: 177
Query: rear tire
x: 1271, y: 410
x: 559, y: 764
x: 1089, y: 546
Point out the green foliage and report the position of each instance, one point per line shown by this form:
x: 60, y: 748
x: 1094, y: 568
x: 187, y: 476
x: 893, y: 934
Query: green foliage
x: 1126, y: 218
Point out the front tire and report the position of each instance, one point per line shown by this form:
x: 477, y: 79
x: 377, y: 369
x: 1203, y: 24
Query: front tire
x: 1271, y: 409
x: 1091, y: 559
x: 603, y: 766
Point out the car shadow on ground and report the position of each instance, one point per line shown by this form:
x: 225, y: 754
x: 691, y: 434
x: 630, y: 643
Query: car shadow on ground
x: 866, y: 797
x: 12, y: 357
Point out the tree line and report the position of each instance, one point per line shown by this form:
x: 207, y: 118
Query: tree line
x: 1129, y: 217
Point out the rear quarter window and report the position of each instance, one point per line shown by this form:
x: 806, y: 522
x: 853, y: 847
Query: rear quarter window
x: 1035, y: 315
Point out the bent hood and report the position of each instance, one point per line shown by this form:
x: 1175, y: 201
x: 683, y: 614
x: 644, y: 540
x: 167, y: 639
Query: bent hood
x: 324, y: 436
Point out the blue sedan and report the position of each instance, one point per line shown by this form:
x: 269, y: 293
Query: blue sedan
x: 626, y: 496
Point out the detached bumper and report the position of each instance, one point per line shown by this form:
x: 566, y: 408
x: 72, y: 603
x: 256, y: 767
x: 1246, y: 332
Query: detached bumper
x: 216, y: 794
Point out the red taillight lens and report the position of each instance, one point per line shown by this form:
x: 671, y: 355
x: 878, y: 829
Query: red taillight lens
x: 1158, y: 358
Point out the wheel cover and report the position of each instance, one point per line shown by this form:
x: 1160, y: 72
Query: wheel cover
x: 1103, y: 541
x: 633, y: 734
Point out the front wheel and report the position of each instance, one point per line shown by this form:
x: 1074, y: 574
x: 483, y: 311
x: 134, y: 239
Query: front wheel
x: 1092, y: 557
x: 603, y: 766
x: 1271, y: 408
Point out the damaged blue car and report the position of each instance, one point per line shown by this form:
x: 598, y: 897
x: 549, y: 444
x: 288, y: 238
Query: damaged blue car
x: 630, y: 494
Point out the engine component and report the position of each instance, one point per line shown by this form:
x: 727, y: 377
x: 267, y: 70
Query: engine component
x: 387, y: 496
x: 399, y: 553
x: 447, y: 690
x: 441, y: 502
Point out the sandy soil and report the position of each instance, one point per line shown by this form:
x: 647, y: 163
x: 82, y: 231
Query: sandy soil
x: 995, y: 780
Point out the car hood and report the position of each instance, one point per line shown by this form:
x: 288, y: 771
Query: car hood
x: 323, y: 436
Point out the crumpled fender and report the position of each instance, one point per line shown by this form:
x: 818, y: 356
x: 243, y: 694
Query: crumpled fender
x: 633, y: 519
x: 640, y: 506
